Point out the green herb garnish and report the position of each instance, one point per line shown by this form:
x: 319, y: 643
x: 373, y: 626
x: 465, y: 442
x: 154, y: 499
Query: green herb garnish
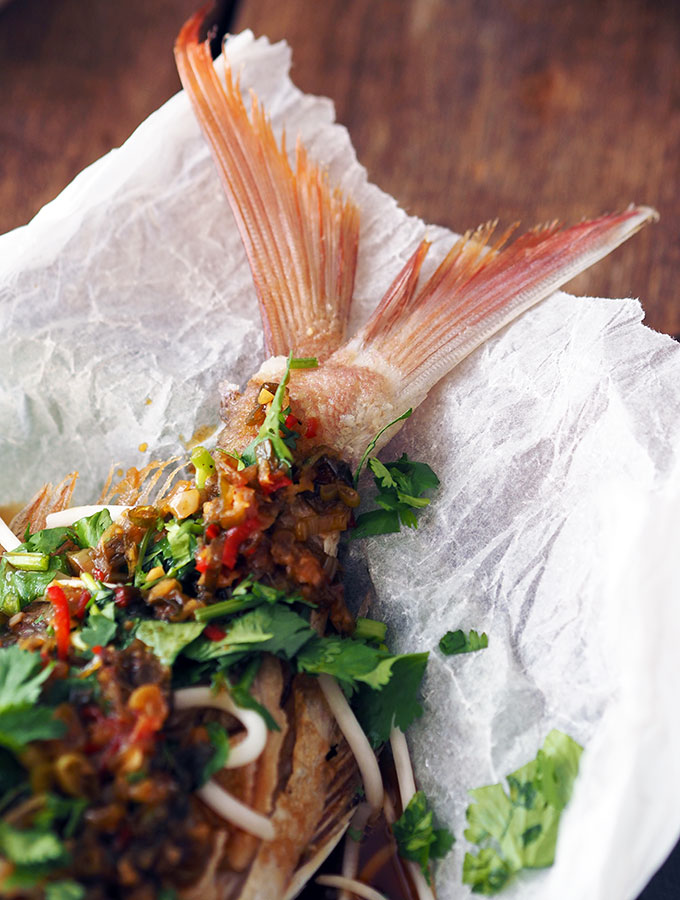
x: 100, y: 628
x: 370, y: 630
x: 518, y: 830
x: 274, y: 419
x: 371, y: 445
x: 22, y: 718
x: 30, y: 562
x: 64, y: 890
x: 396, y: 703
x: 89, y: 530
x: 455, y: 642
x: 247, y: 595
x: 168, y: 639
x: 220, y: 743
x: 400, y: 494
x: 416, y: 837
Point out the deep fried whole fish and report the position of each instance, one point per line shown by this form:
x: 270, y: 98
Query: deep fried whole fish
x: 149, y: 783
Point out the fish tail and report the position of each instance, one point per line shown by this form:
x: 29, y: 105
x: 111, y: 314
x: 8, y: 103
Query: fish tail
x: 478, y: 288
x: 300, y: 234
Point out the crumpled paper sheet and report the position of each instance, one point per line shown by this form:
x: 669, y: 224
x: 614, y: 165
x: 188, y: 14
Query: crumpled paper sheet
x: 128, y: 299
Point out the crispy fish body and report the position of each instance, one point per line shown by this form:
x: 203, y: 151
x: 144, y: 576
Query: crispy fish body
x: 301, y: 237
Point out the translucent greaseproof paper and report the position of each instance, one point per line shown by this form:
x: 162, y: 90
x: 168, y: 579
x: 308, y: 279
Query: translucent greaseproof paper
x: 128, y: 300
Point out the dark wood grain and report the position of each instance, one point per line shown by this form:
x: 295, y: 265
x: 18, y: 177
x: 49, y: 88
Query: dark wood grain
x: 76, y: 78
x: 527, y: 109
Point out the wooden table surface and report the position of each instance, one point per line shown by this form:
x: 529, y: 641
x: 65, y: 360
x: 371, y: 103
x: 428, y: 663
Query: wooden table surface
x: 464, y: 110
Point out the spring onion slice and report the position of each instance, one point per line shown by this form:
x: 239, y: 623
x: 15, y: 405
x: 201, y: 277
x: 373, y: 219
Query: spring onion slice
x: 28, y: 561
x: 357, y: 740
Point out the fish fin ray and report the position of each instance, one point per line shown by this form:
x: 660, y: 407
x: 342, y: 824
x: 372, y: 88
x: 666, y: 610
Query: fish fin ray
x: 300, y: 234
x: 479, y: 288
x: 47, y: 500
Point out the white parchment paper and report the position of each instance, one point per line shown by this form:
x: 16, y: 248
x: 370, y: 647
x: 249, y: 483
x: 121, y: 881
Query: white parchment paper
x: 127, y: 300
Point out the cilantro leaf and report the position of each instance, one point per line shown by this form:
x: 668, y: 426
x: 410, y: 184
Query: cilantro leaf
x: 20, y: 586
x: 89, y: 530
x: 98, y: 631
x: 64, y: 890
x: 23, y: 724
x: 21, y: 677
x: 21, y: 719
x: 557, y: 765
x: 174, y: 551
x: 377, y: 521
x: 168, y: 639
x: 271, y: 629
x: 487, y: 872
x: 220, y: 742
x: 400, y: 493
x: 518, y: 830
x: 30, y: 846
x: 372, y: 443
x: 348, y: 660
x: 271, y: 428
x: 49, y: 540
x: 454, y: 642
x: 416, y: 838
x: 396, y: 703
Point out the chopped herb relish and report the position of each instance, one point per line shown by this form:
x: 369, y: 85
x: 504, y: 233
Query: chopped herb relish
x: 230, y: 580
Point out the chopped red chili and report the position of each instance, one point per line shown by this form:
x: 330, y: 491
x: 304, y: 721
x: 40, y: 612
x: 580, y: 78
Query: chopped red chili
x: 274, y: 483
x: 292, y: 422
x: 122, y: 596
x: 312, y: 427
x: 81, y: 607
x: 235, y: 537
x: 201, y: 564
x: 212, y: 531
x: 214, y: 632
x: 61, y: 621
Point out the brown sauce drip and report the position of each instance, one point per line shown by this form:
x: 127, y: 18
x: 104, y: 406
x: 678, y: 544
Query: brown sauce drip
x: 9, y: 510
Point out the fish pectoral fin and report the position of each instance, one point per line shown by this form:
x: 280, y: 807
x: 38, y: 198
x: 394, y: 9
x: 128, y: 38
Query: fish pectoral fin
x: 300, y: 234
x: 49, y: 499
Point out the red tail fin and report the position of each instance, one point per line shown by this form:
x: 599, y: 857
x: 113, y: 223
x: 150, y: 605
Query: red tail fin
x: 300, y: 235
x: 477, y: 290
